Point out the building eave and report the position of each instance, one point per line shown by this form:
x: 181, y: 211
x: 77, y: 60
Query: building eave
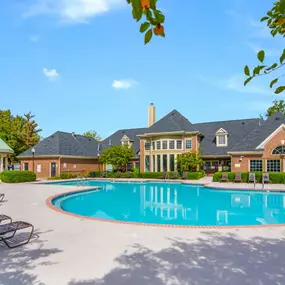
x: 57, y: 156
x: 167, y: 133
x: 244, y: 152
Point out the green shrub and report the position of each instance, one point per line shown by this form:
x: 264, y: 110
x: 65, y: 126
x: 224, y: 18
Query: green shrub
x: 118, y: 174
x: 195, y: 175
x: 275, y: 177
x: 54, y: 178
x: 17, y: 176
x: 150, y: 175
x: 67, y: 175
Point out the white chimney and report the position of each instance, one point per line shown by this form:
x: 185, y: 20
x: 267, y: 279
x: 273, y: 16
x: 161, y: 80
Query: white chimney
x: 151, y: 115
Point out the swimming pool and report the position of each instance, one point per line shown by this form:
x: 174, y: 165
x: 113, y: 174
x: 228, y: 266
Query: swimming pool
x: 174, y: 204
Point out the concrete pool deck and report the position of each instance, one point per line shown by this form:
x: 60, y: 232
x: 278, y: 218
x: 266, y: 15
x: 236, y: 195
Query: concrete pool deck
x: 68, y: 250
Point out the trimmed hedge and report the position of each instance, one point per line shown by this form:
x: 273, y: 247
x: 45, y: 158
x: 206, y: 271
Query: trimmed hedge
x: 144, y: 175
x: 66, y: 175
x: 17, y: 176
x: 275, y: 177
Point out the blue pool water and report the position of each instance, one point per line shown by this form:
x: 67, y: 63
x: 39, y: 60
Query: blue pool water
x: 174, y: 204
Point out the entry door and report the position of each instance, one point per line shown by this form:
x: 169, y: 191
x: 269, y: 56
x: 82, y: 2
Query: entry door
x: 53, y: 169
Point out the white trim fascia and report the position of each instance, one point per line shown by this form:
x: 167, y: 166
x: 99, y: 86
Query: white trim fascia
x: 222, y: 131
x: 245, y: 152
x: 261, y: 146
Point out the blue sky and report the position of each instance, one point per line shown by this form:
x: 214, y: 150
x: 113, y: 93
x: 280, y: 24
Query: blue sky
x: 81, y: 64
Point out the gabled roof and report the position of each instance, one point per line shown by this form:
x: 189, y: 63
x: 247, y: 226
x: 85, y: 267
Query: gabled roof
x: 236, y: 129
x: 4, y: 148
x: 115, y: 139
x: 65, y: 144
x: 172, y: 122
x: 259, y: 134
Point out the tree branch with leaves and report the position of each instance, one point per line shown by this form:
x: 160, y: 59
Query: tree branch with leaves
x: 276, y: 22
x: 153, y: 18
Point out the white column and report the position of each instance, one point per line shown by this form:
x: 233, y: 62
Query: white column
x: 1, y: 163
x: 6, y: 163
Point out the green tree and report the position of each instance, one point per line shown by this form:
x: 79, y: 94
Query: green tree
x: 117, y: 156
x: 92, y: 134
x: 18, y: 132
x: 276, y: 22
x: 189, y: 161
x: 278, y: 106
x: 153, y: 18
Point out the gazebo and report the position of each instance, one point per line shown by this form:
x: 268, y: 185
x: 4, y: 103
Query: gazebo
x: 5, y: 152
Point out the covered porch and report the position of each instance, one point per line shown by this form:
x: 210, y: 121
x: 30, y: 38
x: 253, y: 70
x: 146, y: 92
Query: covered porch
x: 5, y: 152
x: 213, y: 164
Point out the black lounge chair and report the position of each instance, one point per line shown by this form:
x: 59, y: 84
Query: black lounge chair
x: 225, y: 177
x: 184, y: 175
x: 251, y: 178
x: 2, y: 197
x: 5, y: 218
x: 104, y: 175
x: 8, y: 231
x: 164, y: 175
x: 238, y: 177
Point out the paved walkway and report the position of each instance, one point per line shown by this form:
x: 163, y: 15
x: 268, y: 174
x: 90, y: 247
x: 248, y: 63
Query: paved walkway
x: 72, y: 251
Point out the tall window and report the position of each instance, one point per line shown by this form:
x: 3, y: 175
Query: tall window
x: 171, y: 162
x: 158, y: 161
x: 164, y: 162
x: 125, y: 142
x: 153, y: 145
x: 179, y: 144
x: 273, y: 165
x: 153, y: 164
x: 146, y: 163
x: 279, y: 150
x: 158, y: 145
x: 188, y: 144
x: 164, y: 144
x: 256, y: 165
x: 147, y: 145
x: 171, y: 144
x: 26, y: 166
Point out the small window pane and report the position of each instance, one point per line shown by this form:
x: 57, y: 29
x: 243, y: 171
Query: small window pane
x: 179, y: 144
x: 279, y: 150
x: 188, y: 144
x: 273, y: 165
x: 256, y: 165
x: 153, y: 145
x: 125, y: 142
x: 222, y: 140
x: 147, y: 146
x: 164, y: 144
x: 171, y: 144
x: 158, y: 145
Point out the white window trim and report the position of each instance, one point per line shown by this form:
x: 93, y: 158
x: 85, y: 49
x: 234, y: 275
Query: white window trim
x: 274, y: 159
x: 226, y: 140
x: 186, y: 144
x: 281, y: 127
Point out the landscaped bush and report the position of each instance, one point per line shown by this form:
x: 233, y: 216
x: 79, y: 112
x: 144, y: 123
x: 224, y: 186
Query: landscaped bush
x: 275, y: 177
x: 54, y: 178
x: 66, y: 175
x: 17, y: 176
x: 150, y: 175
x: 195, y: 175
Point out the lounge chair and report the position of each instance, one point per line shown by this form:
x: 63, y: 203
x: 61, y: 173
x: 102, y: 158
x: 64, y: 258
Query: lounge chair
x: 2, y: 197
x: 265, y: 178
x: 251, y: 178
x: 5, y: 218
x: 8, y: 231
x: 238, y: 177
x: 184, y: 175
x: 225, y: 177
x: 164, y: 175
x: 174, y: 176
x: 104, y: 175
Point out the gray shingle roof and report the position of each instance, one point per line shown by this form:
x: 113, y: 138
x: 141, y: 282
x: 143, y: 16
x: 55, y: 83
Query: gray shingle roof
x: 115, y: 139
x: 172, y: 122
x: 237, y: 130
x: 260, y: 133
x: 61, y: 143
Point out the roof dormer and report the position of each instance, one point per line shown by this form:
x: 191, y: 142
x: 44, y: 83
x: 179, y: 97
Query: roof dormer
x: 221, y: 137
x: 125, y: 140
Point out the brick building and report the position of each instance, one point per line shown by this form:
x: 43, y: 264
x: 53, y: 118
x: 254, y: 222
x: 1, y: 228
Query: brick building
x: 237, y: 145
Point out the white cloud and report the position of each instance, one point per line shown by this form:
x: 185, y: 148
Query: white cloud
x: 236, y: 83
x: 34, y: 38
x: 51, y: 74
x: 268, y: 51
x: 124, y: 83
x: 75, y: 11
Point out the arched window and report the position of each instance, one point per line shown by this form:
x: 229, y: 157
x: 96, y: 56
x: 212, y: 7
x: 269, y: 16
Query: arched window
x: 279, y: 150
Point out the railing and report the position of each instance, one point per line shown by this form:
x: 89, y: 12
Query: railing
x: 81, y: 181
